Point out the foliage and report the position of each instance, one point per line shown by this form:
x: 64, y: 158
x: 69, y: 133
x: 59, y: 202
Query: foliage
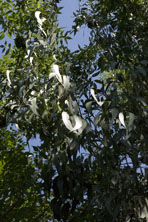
x: 117, y: 79
x: 20, y: 189
x: 88, y: 107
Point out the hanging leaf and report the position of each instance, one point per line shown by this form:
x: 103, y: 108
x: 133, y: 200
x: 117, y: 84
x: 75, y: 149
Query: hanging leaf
x: 96, y: 120
x: 55, y: 73
x: 121, y: 119
x: 53, y: 38
x: 89, y: 106
x: 66, y: 82
x: 114, y: 112
x: 93, y: 95
x: 40, y: 21
x: 68, y: 124
x: 65, y: 118
x: 34, y: 106
x: 78, y: 123
x: 132, y: 118
x: 8, y: 77
x: 84, y: 126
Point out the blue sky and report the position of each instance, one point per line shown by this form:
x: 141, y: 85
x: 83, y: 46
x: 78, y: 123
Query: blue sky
x: 66, y: 20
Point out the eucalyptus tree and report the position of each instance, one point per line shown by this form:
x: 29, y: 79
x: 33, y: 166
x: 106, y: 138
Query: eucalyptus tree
x: 34, y: 101
x: 113, y: 70
x: 48, y: 181
x: 88, y: 107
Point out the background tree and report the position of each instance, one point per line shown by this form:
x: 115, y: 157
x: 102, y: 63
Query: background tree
x: 115, y: 67
x: 89, y: 109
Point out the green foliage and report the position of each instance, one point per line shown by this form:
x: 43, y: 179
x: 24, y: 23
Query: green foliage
x: 118, y: 76
x: 88, y: 108
x: 20, y: 188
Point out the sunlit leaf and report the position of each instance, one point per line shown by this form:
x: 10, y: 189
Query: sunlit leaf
x: 8, y: 77
x: 55, y: 72
x: 95, y: 98
x: 121, y: 119
x: 66, y: 119
x: 66, y: 82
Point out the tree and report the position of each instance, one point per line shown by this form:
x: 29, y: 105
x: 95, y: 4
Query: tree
x: 88, y: 107
x: 116, y: 70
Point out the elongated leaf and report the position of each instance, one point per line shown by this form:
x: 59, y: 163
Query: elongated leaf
x: 55, y: 72
x: 132, y: 118
x: 114, y: 112
x: 33, y: 106
x: 89, y: 106
x: 93, y: 95
x: 84, y: 125
x: 9, y: 35
x: 68, y: 124
x: 65, y: 118
x: 66, y: 82
x: 2, y: 36
x: 121, y: 119
x: 78, y: 123
x: 39, y: 20
x: 8, y: 77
